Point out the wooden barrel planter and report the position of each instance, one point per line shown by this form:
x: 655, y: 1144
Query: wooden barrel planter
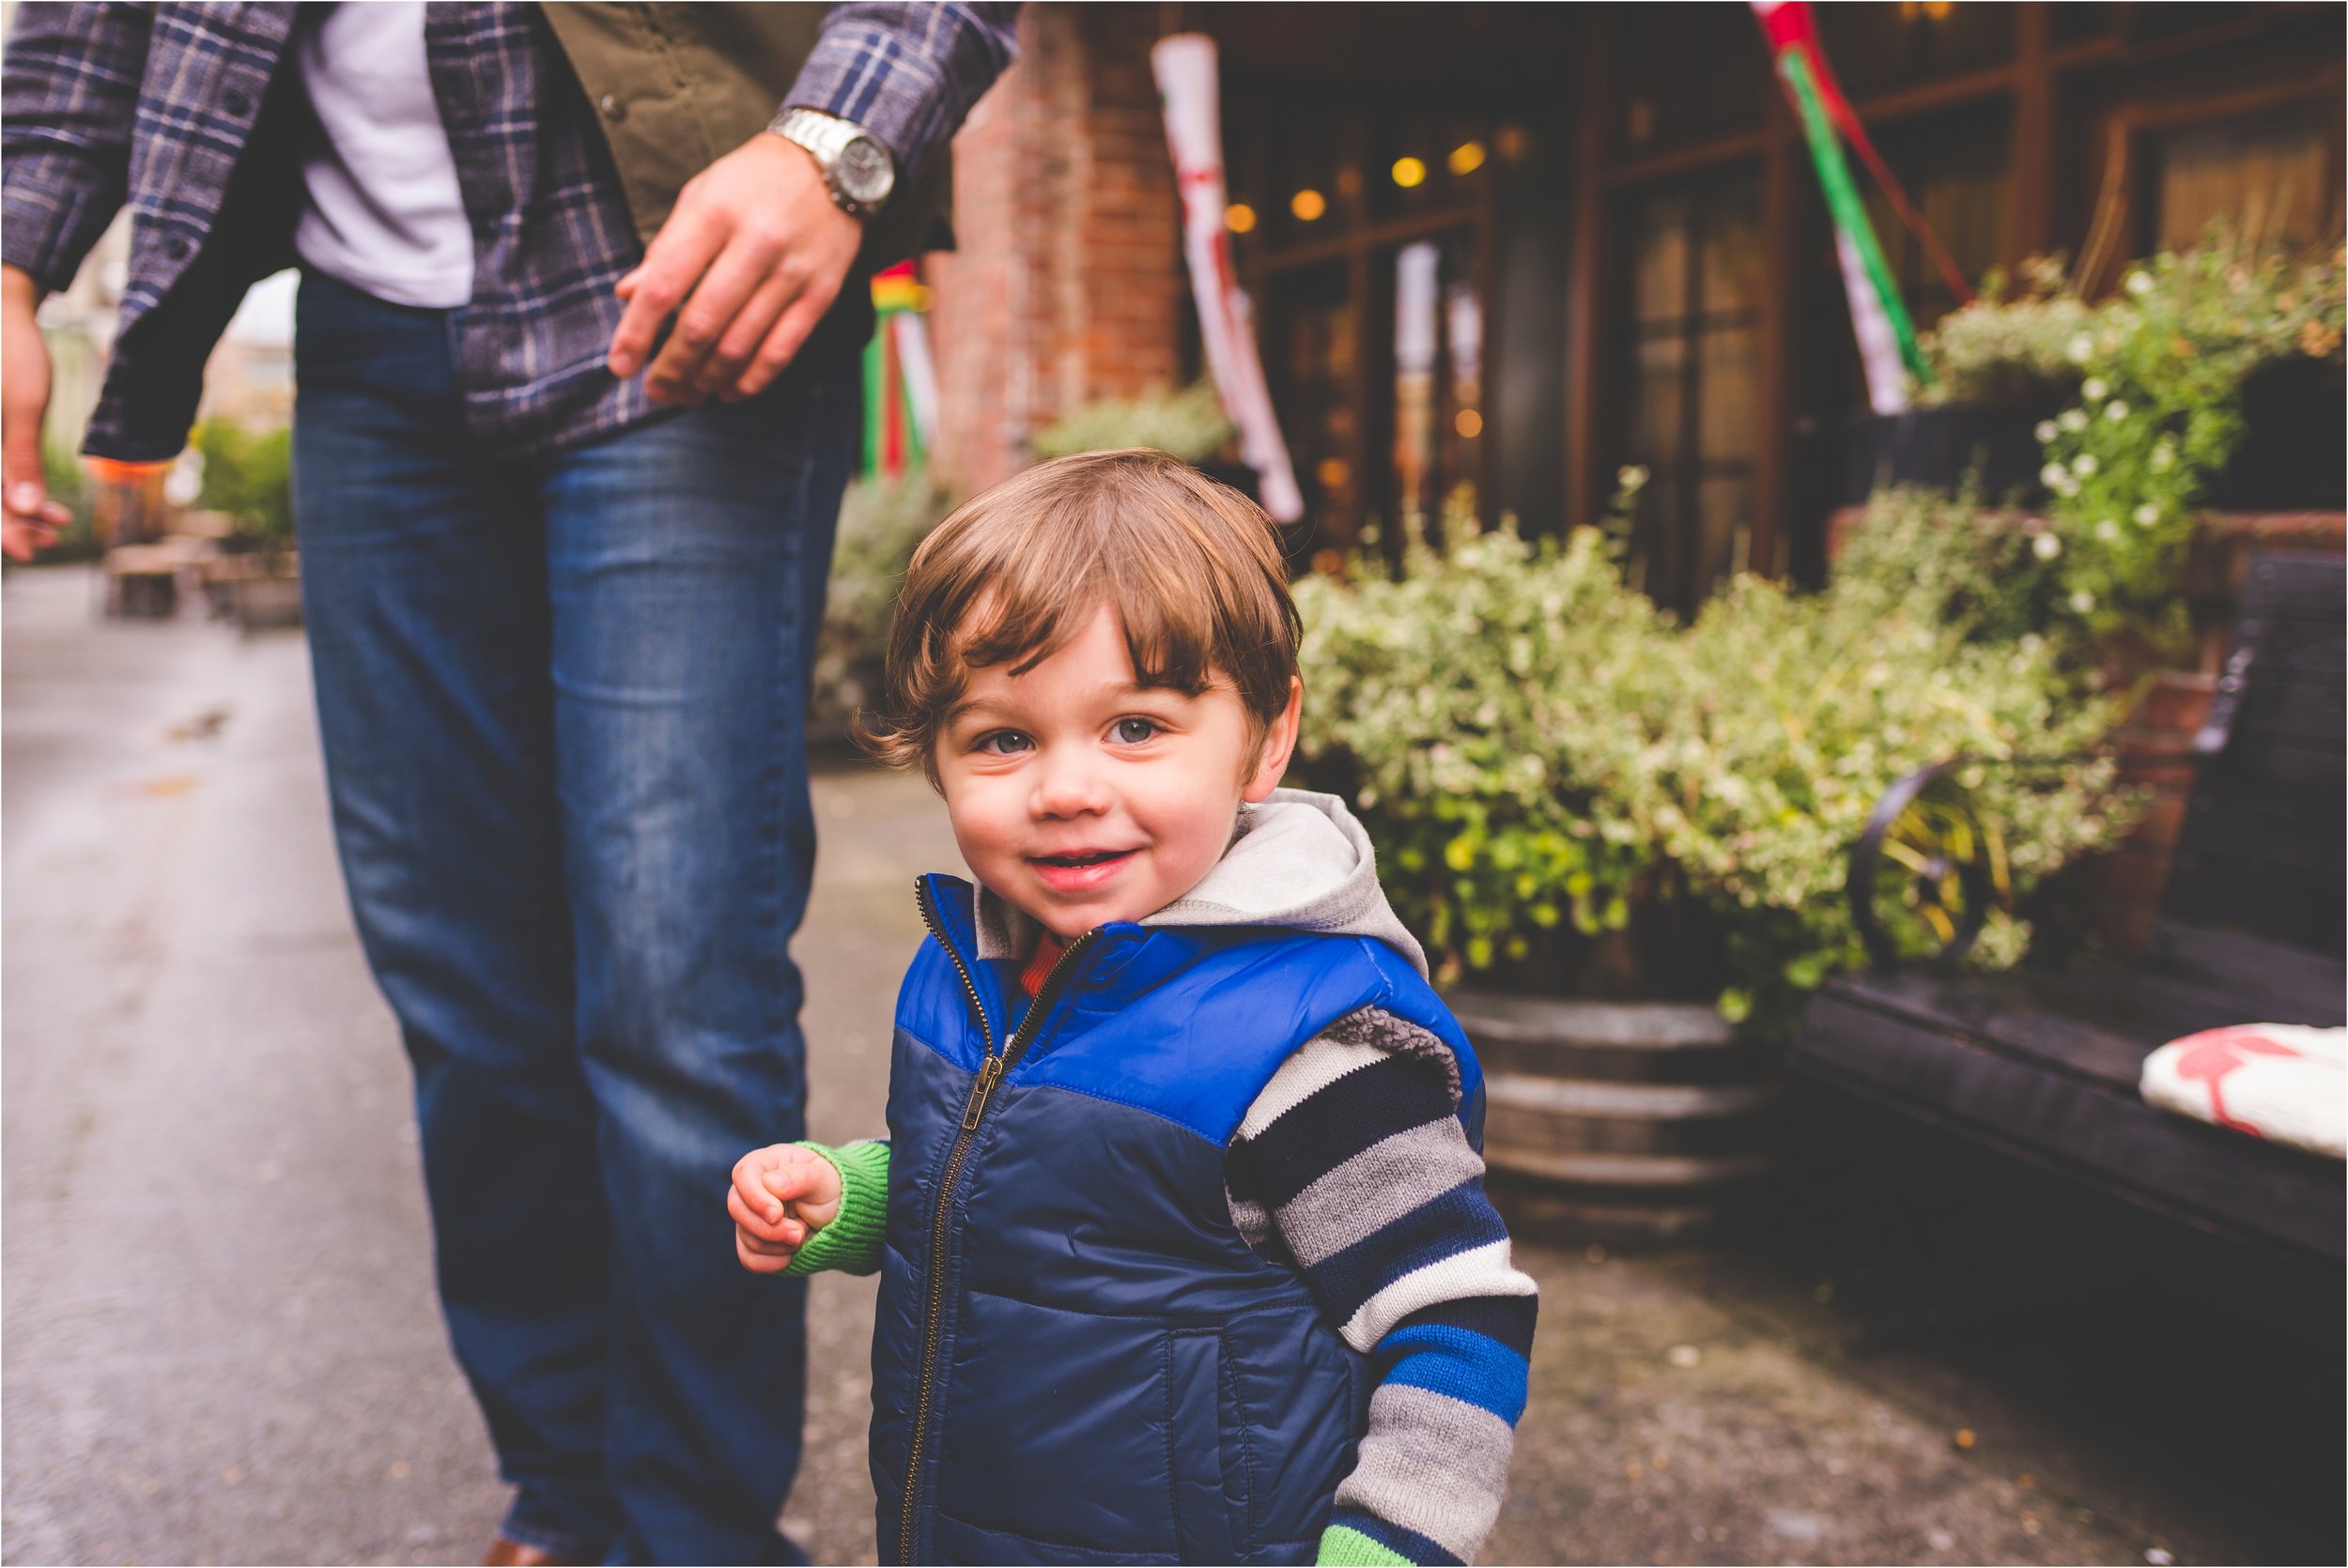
x: 1619, y: 1121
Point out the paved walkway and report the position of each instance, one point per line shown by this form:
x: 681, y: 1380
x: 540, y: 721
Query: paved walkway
x: 221, y: 1342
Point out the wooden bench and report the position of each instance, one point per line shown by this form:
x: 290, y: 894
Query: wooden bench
x: 2044, y: 1066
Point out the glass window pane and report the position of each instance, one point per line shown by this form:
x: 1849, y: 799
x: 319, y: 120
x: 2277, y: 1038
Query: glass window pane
x: 2262, y: 176
x: 1731, y: 267
x: 1659, y: 387
x: 1728, y: 394
x: 1658, y: 264
x: 1724, y: 531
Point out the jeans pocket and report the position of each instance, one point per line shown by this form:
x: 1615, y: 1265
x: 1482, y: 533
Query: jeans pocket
x: 1208, y: 1488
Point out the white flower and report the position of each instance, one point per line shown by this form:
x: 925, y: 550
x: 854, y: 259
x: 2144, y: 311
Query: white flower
x: 2045, y: 546
x: 2054, y: 476
x: 2092, y: 388
x: 2045, y: 431
x: 2081, y: 349
x: 2084, y: 464
x: 2115, y: 409
x: 2164, y: 457
x: 2139, y: 283
x: 2082, y: 601
x: 1631, y: 477
x: 2073, y: 420
x: 2147, y: 515
x: 2068, y: 488
x: 2107, y: 529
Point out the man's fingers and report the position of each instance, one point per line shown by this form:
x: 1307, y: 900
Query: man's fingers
x: 752, y: 324
x: 729, y: 282
x: 679, y: 254
x: 782, y: 343
x: 20, y: 539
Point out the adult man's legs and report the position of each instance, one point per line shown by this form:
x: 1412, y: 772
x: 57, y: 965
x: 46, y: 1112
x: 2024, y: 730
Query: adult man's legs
x: 687, y: 562
x: 424, y: 579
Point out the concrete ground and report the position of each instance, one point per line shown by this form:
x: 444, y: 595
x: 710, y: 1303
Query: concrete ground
x: 220, y: 1343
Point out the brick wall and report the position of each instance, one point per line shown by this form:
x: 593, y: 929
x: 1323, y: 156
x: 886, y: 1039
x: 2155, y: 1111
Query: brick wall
x: 1068, y: 284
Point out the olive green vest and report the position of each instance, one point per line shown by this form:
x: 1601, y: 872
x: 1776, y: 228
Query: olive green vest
x: 678, y: 86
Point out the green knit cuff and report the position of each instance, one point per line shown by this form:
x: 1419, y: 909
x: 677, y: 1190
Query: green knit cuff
x: 852, y: 1242
x: 1350, y: 1548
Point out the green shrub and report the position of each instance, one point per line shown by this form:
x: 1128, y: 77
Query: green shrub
x: 1550, y: 767
x: 249, y: 475
x: 1189, y: 425
x: 2152, y: 383
x: 881, y: 522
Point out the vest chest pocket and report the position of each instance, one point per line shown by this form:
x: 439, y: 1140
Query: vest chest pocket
x: 1207, y: 1459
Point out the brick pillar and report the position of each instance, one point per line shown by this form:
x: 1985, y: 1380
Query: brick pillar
x: 1068, y: 281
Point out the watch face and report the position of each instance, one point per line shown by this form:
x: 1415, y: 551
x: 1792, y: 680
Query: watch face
x: 865, y: 172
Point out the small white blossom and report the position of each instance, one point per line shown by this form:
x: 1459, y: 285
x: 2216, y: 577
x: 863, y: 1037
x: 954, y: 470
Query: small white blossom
x: 2045, y: 431
x: 2082, y: 601
x: 2107, y: 529
x: 2147, y: 515
x: 2068, y: 488
x: 2054, y: 476
x: 2092, y: 388
x: 2164, y: 457
x: 1632, y: 476
x: 2073, y: 420
x: 2081, y: 349
x: 2084, y: 464
x: 2045, y: 546
x: 2115, y: 409
x: 2139, y: 283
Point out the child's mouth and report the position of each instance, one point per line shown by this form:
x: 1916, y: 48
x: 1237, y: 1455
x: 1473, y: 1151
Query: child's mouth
x: 1070, y: 873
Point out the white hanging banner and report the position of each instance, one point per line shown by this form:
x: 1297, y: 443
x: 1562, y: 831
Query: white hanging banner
x: 1185, y: 67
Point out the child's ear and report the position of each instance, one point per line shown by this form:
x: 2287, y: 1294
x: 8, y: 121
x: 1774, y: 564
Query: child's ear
x: 1279, y: 742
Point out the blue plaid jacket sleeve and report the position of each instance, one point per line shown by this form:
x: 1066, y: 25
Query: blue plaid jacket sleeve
x: 69, y: 91
x: 907, y: 73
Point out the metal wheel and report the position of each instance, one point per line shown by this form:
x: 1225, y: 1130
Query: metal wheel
x: 1927, y: 870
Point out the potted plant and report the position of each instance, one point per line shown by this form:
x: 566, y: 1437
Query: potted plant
x: 1189, y: 425
x: 1622, y: 837
x: 247, y: 476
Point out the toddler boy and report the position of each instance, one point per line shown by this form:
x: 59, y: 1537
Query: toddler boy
x: 1184, y: 1249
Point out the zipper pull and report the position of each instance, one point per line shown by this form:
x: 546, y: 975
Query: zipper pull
x: 989, y: 1074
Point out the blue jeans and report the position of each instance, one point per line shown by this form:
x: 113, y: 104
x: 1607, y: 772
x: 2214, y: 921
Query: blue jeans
x: 561, y: 702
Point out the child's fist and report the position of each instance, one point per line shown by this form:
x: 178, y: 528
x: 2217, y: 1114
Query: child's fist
x: 782, y: 1195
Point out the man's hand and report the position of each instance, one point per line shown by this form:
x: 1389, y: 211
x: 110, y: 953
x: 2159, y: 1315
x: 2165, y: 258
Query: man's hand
x: 782, y: 1195
x: 753, y: 253
x: 28, y: 518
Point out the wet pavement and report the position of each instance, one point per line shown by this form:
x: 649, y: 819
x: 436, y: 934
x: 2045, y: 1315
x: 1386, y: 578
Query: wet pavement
x: 220, y: 1338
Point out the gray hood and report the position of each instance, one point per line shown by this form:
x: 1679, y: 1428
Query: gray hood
x: 1299, y: 860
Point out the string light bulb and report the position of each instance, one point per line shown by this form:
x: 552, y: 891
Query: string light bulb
x: 1308, y: 204
x: 1240, y: 218
x: 1409, y: 172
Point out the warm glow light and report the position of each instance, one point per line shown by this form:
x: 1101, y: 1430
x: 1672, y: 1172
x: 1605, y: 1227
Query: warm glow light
x: 1468, y: 422
x: 1931, y: 11
x: 1333, y: 473
x: 1308, y: 204
x: 1467, y: 158
x: 1408, y: 172
x: 1240, y: 218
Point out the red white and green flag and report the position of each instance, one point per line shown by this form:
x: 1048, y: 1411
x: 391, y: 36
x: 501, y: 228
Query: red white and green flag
x: 1879, y: 318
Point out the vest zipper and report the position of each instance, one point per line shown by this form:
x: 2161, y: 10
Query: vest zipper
x: 990, y: 1072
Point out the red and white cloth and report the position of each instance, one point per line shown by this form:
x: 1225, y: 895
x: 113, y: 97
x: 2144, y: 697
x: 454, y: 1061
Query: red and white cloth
x: 2282, y: 1082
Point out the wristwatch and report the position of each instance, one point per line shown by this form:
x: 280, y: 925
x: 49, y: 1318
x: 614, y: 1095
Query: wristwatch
x: 858, y: 170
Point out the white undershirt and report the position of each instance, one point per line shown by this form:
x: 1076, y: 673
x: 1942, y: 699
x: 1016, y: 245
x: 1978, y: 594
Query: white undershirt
x: 384, y: 214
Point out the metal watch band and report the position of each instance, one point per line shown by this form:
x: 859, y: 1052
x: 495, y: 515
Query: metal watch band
x: 826, y: 139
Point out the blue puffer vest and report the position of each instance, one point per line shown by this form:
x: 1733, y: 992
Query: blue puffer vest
x: 1077, y: 1358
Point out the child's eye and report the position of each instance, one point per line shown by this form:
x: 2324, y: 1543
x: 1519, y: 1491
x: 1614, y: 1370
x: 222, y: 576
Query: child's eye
x: 1133, y: 731
x: 1003, y: 743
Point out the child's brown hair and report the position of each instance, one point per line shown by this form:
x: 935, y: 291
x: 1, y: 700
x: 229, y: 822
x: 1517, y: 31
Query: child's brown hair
x: 1191, y: 568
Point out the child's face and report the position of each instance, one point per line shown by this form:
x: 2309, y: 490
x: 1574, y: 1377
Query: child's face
x: 1082, y: 797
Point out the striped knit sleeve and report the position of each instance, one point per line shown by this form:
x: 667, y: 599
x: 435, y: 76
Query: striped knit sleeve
x: 1352, y: 1165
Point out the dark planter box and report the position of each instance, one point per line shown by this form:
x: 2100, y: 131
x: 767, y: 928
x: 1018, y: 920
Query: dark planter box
x: 1939, y: 447
x: 2290, y: 459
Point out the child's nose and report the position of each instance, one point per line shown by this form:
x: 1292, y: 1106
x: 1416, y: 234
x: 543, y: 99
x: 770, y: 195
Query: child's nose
x: 1068, y: 788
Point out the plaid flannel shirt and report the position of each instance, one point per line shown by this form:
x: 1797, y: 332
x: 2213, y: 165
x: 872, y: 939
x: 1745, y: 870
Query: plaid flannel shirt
x: 153, y: 105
